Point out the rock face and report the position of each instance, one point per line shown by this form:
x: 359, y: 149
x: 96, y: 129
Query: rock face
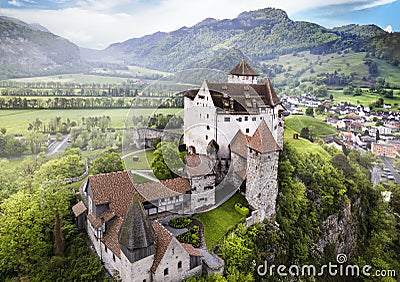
x: 27, y: 50
x: 340, y: 230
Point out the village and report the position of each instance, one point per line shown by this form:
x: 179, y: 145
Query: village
x: 358, y: 127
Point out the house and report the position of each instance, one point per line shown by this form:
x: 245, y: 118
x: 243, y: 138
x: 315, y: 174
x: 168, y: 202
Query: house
x: 119, y: 226
x: 381, y: 149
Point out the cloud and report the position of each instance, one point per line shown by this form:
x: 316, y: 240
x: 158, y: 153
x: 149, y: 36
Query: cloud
x: 372, y: 4
x: 15, y: 3
x: 389, y: 29
x: 97, y: 23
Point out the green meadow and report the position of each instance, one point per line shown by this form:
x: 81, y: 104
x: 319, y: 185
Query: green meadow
x: 17, y: 121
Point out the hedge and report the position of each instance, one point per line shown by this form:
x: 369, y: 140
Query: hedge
x: 241, y: 209
x: 179, y: 222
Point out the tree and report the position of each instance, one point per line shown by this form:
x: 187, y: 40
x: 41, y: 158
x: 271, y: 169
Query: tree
x: 108, y: 161
x: 310, y: 112
x: 167, y: 161
x: 305, y: 133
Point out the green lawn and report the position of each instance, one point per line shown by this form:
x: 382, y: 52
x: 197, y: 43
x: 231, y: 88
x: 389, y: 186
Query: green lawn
x: 365, y: 99
x: 74, y: 78
x: 145, y: 159
x: 138, y: 179
x: 17, y: 121
x: 218, y: 221
x: 318, y: 127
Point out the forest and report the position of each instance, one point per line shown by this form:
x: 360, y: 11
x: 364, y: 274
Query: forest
x: 313, y: 191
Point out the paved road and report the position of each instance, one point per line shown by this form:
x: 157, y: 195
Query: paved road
x: 58, y: 146
x: 389, y: 165
x: 376, y: 174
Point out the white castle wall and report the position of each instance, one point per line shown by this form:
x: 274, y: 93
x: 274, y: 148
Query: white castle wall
x: 137, y: 271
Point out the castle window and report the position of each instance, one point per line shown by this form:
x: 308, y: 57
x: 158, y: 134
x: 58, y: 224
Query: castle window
x: 208, y: 127
x: 227, y: 119
x: 247, y: 130
x: 246, y: 118
x: 105, y: 248
x: 113, y: 257
x: 260, y: 118
x: 206, y: 137
x: 239, y: 119
x: 254, y: 119
x: 179, y: 265
x: 166, y: 272
x: 208, y: 115
x: 144, y: 280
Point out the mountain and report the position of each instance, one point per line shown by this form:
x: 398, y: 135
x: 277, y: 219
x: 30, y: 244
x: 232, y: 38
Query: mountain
x: 261, y: 35
x: 31, y: 50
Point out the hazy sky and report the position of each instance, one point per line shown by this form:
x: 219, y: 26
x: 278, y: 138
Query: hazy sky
x: 97, y: 23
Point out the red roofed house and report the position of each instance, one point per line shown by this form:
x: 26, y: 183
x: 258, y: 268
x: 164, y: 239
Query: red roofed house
x: 125, y: 240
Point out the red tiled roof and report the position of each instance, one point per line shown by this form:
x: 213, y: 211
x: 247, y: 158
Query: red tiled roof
x: 115, y: 188
x: 106, y: 216
x: 243, y: 95
x: 198, y: 165
x: 155, y: 190
x: 162, y: 241
x: 191, y: 250
x: 180, y: 185
x: 111, y: 237
x: 262, y: 140
x: 239, y: 144
x: 79, y: 208
x: 244, y: 69
x: 242, y: 174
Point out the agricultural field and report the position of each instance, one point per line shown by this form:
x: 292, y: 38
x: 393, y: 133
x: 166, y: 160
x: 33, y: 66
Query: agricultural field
x: 365, y: 99
x: 74, y: 78
x: 17, y: 121
x: 304, y: 66
x: 296, y: 122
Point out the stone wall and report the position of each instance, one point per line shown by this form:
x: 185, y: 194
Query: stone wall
x: 137, y: 271
x: 199, y: 183
x: 110, y: 260
x: 202, y: 200
x: 261, y: 185
x: 174, y: 254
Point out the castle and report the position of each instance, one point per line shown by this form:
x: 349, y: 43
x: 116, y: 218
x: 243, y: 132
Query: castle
x: 233, y: 132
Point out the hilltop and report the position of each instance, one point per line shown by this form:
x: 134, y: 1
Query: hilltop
x: 261, y: 37
x: 27, y: 50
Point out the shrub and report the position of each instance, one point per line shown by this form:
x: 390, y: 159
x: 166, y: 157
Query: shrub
x: 190, y: 237
x: 241, y: 209
x: 179, y: 222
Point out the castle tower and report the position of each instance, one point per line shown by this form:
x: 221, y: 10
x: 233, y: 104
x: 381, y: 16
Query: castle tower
x: 262, y: 171
x: 136, y: 240
x: 242, y: 73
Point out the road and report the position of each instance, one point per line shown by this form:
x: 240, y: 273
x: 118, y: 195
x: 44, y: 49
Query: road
x: 58, y: 146
x: 376, y: 174
x: 393, y: 171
